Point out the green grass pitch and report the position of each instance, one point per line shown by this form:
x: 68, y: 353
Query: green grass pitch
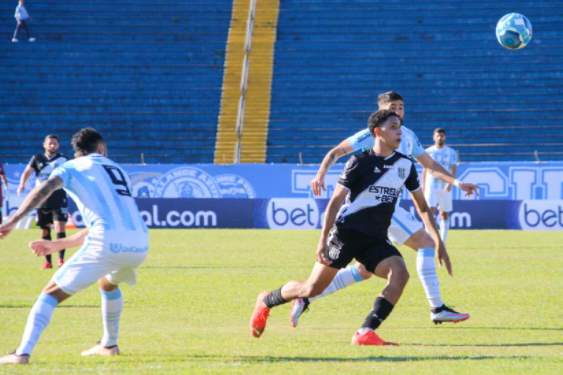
x: 189, y: 312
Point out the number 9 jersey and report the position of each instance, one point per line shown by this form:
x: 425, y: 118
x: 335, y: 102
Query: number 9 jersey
x: 102, y: 193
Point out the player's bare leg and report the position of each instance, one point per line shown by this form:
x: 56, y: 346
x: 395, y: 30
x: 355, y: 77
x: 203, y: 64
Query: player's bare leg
x: 347, y: 276
x: 395, y: 271
x: 320, y: 278
x: 421, y: 242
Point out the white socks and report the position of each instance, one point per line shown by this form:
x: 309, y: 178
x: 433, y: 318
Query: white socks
x: 41, y: 312
x: 343, y: 278
x: 444, y: 227
x: 38, y: 319
x: 426, y: 268
x: 112, y: 305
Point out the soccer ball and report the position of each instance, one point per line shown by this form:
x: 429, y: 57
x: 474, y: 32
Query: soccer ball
x: 514, y: 31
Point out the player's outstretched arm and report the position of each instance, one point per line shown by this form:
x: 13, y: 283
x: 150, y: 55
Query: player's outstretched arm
x: 318, y: 183
x: 423, y: 179
x: 334, y: 205
x: 440, y: 172
x: 37, y: 196
x: 23, y: 179
x: 46, y: 247
x: 430, y: 225
x: 448, y: 187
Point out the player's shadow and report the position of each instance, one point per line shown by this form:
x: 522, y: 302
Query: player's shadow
x: 507, y: 328
x: 210, y: 267
x: 61, y: 306
x: 274, y: 359
x: 477, y: 345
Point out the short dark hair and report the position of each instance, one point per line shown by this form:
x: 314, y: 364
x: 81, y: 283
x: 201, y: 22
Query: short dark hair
x: 440, y: 130
x: 86, y: 141
x: 376, y: 119
x: 51, y: 136
x: 389, y: 96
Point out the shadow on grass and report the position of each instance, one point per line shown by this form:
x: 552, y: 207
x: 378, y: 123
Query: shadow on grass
x: 323, y: 359
x: 508, y: 328
x: 62, y: 306
x: 499, y: 345
x: 250, y: 359
x: 257, y: 359
x: 209, y: 267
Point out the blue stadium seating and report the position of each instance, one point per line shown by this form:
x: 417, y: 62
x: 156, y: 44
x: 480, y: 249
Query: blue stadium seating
x: 334, y: 56
x: 147, y: 74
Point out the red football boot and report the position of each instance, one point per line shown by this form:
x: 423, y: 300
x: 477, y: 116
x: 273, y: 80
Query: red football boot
x: 365, y: 336
x: 259, y: 316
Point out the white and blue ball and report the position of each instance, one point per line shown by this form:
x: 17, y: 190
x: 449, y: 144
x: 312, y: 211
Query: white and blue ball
x: 514, y: 31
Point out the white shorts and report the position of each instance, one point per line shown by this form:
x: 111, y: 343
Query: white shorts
x: 115, y: 259
x: 439, y: 198
x: 403, y: 225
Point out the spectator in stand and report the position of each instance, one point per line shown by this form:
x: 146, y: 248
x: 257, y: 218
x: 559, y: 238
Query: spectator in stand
x: 22, y: 18
x: 5, y: 180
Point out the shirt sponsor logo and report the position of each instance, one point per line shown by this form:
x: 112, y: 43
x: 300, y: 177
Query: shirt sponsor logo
x: 384, y: 194
x: 117, y: 248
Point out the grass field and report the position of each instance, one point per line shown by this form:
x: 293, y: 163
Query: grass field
x: 189, y: 312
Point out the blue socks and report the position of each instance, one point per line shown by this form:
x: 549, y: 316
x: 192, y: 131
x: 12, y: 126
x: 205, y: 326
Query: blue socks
x: 38, y: 319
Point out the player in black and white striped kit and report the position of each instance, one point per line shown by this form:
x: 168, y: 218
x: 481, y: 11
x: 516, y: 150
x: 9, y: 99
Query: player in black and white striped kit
x: 54, y: 210
x: 356, y: 222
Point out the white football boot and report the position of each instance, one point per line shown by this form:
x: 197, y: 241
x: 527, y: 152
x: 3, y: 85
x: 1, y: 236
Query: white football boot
x: 14, y: 359
x: 300, y: 305
x: 444, y: 314
x: 101, y: 350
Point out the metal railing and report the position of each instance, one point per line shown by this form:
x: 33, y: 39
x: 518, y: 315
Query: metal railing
x: 244, y: 77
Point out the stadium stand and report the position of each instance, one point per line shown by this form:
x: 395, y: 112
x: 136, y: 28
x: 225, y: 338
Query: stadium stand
x: 146, y: 74
x: 334, y: 56
x: 149, y: 76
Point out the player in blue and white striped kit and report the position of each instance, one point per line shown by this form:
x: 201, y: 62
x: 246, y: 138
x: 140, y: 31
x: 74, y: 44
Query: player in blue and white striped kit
x: 114, y: 243
x: 437, y: 192
x: 405, y: 228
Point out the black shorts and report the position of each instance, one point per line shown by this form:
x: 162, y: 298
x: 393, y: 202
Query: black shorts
x: 345, y: 245
x: 56, y: 199
x: 45, y: 216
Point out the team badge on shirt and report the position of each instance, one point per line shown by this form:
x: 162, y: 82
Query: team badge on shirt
x: 334, y: 252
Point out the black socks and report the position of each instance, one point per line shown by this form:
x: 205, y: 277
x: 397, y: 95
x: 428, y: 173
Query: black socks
x: 274, y: 298
x: 47, y: 238
x: 381, y: 310
x: 62, y: 252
